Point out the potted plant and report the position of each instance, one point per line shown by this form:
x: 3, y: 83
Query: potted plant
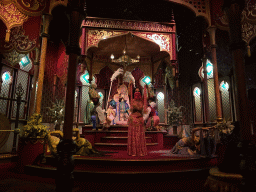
x: 56, y: 113
x: 225, y: 130
x: 31, y: 141
x: 174, y: 116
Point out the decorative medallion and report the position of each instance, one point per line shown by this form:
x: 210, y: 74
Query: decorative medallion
x: 248, y: 31
x: 250, y: 10
x: 13, y: 57
x: 12, y: 17
x: 31, y: 7
x: 18, y: 41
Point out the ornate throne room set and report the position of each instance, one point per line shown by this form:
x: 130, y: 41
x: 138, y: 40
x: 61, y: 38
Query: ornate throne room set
x: 71, y: 72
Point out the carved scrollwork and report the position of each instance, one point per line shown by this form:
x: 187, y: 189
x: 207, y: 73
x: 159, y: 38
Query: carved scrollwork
x: 13, y: 57
x: 248, y: 31
x: 19, y: 41
x: 11, y: 17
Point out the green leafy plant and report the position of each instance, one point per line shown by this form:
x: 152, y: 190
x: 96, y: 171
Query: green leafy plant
x: 175, y: 114
x: 34, y: 127
x: 225, y: 129
x: 56, y: 112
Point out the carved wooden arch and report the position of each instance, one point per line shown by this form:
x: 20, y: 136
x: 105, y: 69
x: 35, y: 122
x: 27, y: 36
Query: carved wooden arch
x: 55, y: 3
x: 167, y: 45
x: 199, y: 7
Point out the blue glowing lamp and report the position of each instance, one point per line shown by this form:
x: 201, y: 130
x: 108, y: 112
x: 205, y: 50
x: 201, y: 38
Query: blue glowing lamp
x: 25, y: 61
x: 198, y: 91
x: 100, y: 94
x: 6, y: 76
x: 86, y: 77
x: 225, y: 85
x: 209, y: 69
x: 146, y: 80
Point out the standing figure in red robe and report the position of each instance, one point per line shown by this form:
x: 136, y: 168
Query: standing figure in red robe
x: 136, y: 129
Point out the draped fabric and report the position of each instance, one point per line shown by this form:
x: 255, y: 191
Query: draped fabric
x: 136, y: 131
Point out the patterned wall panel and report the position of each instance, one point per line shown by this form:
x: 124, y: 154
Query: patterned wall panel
x: 160, y: 106
x: 159, y: 81
x: 137, y: 74
x: 5, y: 89
x: 84, y: 98
x: 23, y: 78
x: 225, y: 98
x: 212, y: 104
x: 103, y: 78
x: 198, y: 105
x: 48, y: 86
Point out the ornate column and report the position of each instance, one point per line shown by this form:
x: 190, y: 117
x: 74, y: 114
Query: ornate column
x: 46, y: 22
x: 83, y: 44
x: 33, y: 92
x: 66, y: 148
x: 206, y: 97
x: 233, y: 10
x: 212, y: 31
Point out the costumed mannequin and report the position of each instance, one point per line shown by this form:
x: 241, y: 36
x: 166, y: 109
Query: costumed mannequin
x: 187, y: 145
x: 122, y: 92
x: 89, y: 108
x: 151, y: 117
x: 97, y: 112
x: 136, y: 130
x: 111, y: 113
x: 123, y: 109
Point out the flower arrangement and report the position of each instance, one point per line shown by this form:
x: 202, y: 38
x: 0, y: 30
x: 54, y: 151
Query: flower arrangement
x: 34, y: 127
x: 174, y: 114
x: 56, y: 112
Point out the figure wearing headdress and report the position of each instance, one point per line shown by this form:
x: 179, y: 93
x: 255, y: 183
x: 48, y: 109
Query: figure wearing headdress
x: 97, y: 112
x: 111, y: 113
x: 136, y: 130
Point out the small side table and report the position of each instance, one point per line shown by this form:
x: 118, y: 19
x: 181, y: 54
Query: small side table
x: 223, y: 182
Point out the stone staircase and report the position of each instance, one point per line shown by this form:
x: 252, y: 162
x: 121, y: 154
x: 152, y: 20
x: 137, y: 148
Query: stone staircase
x: 115, y: 138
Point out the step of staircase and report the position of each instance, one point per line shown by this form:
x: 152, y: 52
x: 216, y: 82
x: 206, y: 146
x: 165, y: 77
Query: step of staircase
x: 115, y: 138
x: 122, y: 146
x: 118, y: 139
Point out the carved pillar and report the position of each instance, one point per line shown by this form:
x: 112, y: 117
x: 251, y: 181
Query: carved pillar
x: 212, y: 31
x: 233, y: 10
x: 66, y: 148
x: 33, y: 91
x: 90, y: 71
x: 46, y: 22
x: 83, y: 44
x: 206, y: 97
x: 73, y: 50
x: 165, y: 103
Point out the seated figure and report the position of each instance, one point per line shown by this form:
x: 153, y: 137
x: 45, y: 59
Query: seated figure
x: 83, y: 146
x: 187, y: 146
